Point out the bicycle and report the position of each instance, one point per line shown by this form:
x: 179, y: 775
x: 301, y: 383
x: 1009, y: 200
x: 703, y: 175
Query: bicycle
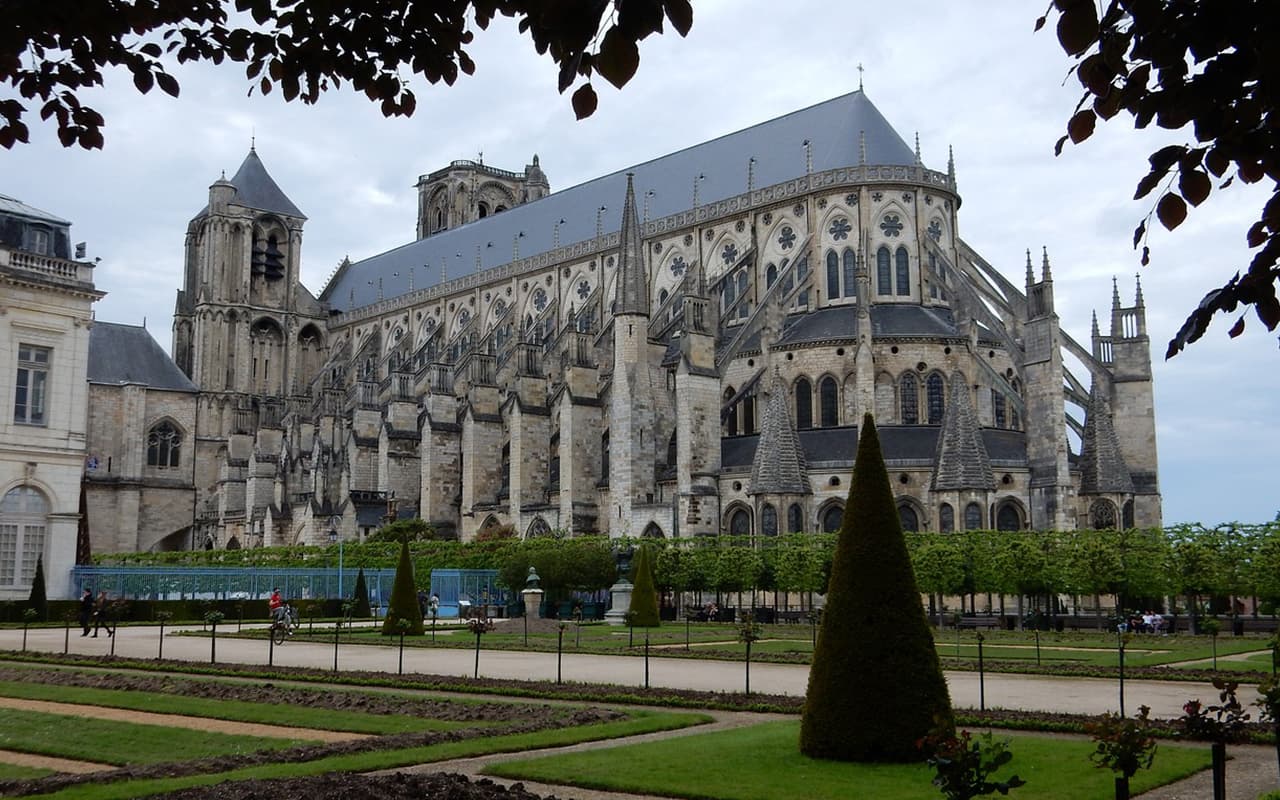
x: 283, y: 625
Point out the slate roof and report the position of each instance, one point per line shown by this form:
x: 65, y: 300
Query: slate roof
x: 1102, y: 468
x: 840, y: 323
x: 832, y: 127
x: 900, y: 444
x: 962, y: 461
x: 633, y: 281
x: 256, y: 189
x: 127, y: 354
x: 12, y: 206
x: 779, y: 463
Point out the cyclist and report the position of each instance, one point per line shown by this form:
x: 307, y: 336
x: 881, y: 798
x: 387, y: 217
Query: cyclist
x: 279, y: 610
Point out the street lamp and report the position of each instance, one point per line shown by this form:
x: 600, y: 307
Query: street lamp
x: 333, y: 537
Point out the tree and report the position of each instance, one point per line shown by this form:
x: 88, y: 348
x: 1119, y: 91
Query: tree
x: 1183, y: 63
x: 51, y: 52
x: 361, y: 610
x: 39, y: 601
x: 643, y: 611
x: 403, y: 530
x: 404, y: 599
x: 876, y: 686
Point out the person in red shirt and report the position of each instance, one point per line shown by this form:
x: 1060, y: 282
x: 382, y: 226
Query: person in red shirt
x: 276, y: 604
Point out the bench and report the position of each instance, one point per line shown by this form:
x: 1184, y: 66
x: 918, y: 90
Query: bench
x: 990, y: 623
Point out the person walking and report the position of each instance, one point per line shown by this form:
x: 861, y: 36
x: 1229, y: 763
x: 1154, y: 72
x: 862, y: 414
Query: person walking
x: 100, y: 609
x: 86, y: 610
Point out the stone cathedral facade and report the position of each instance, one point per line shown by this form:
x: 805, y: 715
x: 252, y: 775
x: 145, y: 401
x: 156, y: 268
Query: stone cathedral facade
x: 685, y: 347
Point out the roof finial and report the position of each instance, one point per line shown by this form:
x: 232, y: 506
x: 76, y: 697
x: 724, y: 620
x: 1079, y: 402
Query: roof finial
x: 860, y: 71
x: 862, y: 148
x: 808, y: 156
x: 951, y: 165
x: 253, y: 139
x: 1031, y: 276
x: 1138, y: 300
x: 1096, y: 332
x: 1115, y: 293
x: 1044, y: 265
x: 917, y: 148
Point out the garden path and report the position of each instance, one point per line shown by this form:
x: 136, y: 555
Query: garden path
x: 51, y: 763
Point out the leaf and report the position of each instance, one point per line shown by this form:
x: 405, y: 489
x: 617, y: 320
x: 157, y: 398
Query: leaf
x: 1057, y: 148
x: 1257, y: 234
x: 1081, y: 125
x: 680, y: 12
x: 1237, y: 329
x: 1146, y: 256
x: 618, y: 58
x: 1078, y: 28
x: 1138, y: 233
x: 1216, y: 162
x: 584, y: 101
x: 167, y: 83
x: 1040, y: 21
x: 143, y: 80
x: 1148, y: 183
x: 1171, y: 210
x: 1194, y: 186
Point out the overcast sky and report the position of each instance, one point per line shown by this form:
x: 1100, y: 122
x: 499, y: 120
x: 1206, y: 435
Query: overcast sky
x: 968, y: 74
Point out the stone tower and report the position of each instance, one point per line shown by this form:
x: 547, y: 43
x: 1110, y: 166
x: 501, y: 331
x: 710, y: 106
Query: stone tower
x: 1050, y: 485
x: 466, y: 191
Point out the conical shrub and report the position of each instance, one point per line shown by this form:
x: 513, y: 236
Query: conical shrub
x: 39, y: 599
x: 361, y: 609
x: 644, y: 597
x: 876, y: 684
x: 404, y: 599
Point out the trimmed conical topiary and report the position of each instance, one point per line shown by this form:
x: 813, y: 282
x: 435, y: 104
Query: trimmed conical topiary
x: 876, y: 685
x: 404, y: 599
x: 361, y: 610
x: 644, y: 597
x: 38, y: 599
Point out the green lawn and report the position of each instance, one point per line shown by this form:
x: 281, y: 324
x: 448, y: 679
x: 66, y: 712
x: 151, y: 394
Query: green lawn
x: 12, y: 772
x: 639, y: 722
x: 239, y: 711
x: 120, y: 743
x: 763, y: 763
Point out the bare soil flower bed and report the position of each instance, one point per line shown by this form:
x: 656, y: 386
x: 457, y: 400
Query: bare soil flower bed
x: 347, y: 786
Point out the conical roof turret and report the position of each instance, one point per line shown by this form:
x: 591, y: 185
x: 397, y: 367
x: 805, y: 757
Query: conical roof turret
x: 1102, y: 467
x: 257, y: 190
x: 632, y: 296
x: 962, y: 461
x: 779, y: 466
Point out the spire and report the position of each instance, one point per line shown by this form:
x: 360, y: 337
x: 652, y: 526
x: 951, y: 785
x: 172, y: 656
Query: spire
x: 1137, y: 301
x: 256, y: 189
x: 962, y: 461
x: 779, y: 465
x: 1031, y: 275
x: 918, y: 148
x: 1115, y: 294
x: 1096, y: 332
x: 1044, y: 265
x: 951, y: 165
x: 1102, y: 468
x: 862, y: 148
x: 633, y: 286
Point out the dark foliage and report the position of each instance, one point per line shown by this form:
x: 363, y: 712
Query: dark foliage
x: 963, y: 766
x: 404, y: 530
x: 644, y: 597
x: 404, y: 599
x: 875, y: 687
x: 1123, y: 745
x: 361, y: 609
x: 51, y: 52
x: 1209, y: 67
x: 39, y: 600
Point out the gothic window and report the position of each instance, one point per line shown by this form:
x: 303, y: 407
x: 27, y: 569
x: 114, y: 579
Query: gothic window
x: 903, y: 264
x: 935, y: 230
x: 163, y: 445
x: 933, y: 387
x: 829, y: 402
x: 1008, y: 518
x: 743, y: 307
x: 909, y: 518
x: 770, y: 275
x: 662, y: 297
x: 884, y: 274
x: 850, y: 273
x: 795, y: 519
x: 678, y: 266
x: 731, y: 419
x: 727, y: 296
x: 538, y: 529
x: 972, y: 517
x: 730, y: 253
x: 832, y: 519
x: 553, y: 463
x: 652, y: 531
x: 997, y: 408
x: 604, y: 456
x: 786, y: 237
x: 833, y: 275
x: 946, y: 518
x: 749, y: 414
x: 540, y: 300
x: 935, y: 279
x: 1102, y: 515
x: 672, y: 448
x: 506, y: 469
x: 840, y: 228
x: 910, y: 399
x: 891, y: 225
x: 1127, y: 515
x: 740, y: 523
x: 24, y: 520
x: 804, y: 404
x: 31, y: 388
x: 769, y: 520
x: 802, y: 271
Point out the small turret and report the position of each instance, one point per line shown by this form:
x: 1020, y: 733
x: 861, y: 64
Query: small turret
x: 633, y: 285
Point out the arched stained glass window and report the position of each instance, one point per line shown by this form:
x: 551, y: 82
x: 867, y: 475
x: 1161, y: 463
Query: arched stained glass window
x: 884, y: 273
x: 833, y: 275
x: 804, y: 404
x: 832, y: 519
x: 972, y: 517
x: 946, y: 518
x: 749, y: 414
x: 770, y: 275
x: 769, y: 520
x: 997, y: 408
x: 163, y: 445
x: 1127, y: 514
x: 850, y: 273
x: 1102, y: 515
x: 744, y: 307
x: 936, y: 397
x: 795, y: 519
x: 740, y: 523
x: 604, y: 456
x: 909, y: 395
x: 903, y: 265
x: 1008, y: 518
x: 829, y: 402
x: 731, y: 418
x: 909, y: 518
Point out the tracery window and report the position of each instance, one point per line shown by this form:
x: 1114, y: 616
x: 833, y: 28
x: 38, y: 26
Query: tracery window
x: 904, y: 271
x: 828, y: 403
x: 850, y: 273
x: 997, y: 407
x: 972, y: 517
x: 164, y: 443
x: 769, y: 520
x: 946, y: 518
x: 795, y: 518
x: 1008, y: 518
x: 884, y: 273
x: 910, y: 399
x: 833, y: 275
x: 740, y: 523
x: 1102, y: 515
x: 804, y: 404
x: 731, y: 420
x: 935, y: 396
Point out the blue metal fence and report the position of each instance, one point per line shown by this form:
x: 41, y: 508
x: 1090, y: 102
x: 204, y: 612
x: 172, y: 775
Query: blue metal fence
x: 229, y: 583
x: 461, y: 590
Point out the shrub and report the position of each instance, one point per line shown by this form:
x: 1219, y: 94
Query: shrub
x: 876, y: 686
x: 404, y: 599
x: 361, y: 608
x: 964, y: 765
x: 644, y: 597
x: 1124, y: 745
x: 403, y: 530
x: 38, y: 601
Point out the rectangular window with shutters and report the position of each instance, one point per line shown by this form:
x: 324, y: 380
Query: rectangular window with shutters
x: 31, y: 387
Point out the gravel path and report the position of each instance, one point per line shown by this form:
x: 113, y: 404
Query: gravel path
x: 49, y: 762
x: 178, y: 721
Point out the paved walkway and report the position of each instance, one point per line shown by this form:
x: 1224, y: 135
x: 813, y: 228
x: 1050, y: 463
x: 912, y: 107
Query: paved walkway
x: 1031, y: 692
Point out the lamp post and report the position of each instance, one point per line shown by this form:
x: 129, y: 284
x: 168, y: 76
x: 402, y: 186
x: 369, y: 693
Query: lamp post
x: 333, y: 537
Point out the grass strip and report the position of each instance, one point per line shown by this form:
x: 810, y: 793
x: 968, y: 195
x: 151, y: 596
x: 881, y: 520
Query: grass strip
x: 763, y: 762
x: 121, y: 743
x: 233, y: 710
x: 640, y: 722
x: 13, y: 772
